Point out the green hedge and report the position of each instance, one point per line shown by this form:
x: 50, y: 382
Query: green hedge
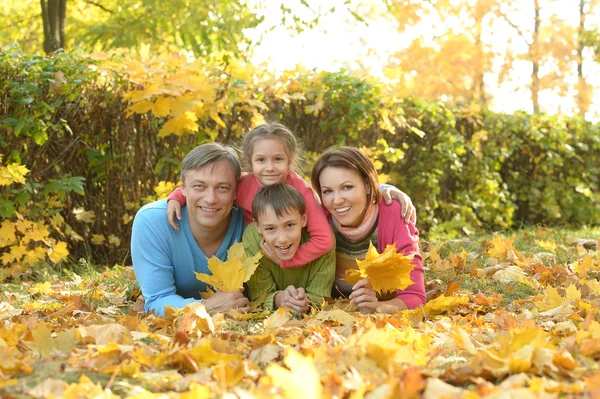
x: 466, y: 169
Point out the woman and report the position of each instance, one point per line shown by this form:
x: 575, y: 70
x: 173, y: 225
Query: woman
x: 347, y: 184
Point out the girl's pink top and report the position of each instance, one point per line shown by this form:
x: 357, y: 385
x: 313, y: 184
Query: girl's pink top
x: 321, y: 237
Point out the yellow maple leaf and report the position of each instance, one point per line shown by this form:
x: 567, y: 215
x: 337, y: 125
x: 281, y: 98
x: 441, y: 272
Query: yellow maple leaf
x: 444, y: 303
x: 301, y: 380
x: 552, y: 299
x: 7, y: 234
x: 12, y: 173
x: 84, y: 216
x: 499, y: 246
x: 548, y: 245
x: 229, y: 276
x: 34, y: 256
x: 186, y: 122
x: 98, y: 239
x: 58, y: 252
x: 162, y: 106
x: 386, y: 272
x: 583, y: 266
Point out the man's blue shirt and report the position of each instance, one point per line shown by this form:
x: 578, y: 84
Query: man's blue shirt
x: 164, y: 260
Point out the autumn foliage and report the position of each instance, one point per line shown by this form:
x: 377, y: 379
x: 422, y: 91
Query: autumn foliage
x: 103, y: 134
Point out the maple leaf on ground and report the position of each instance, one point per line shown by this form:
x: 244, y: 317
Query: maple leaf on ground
x: 552, y: 299
x: 386, y: 272
x: 229, y: 276
x: 499, y: 247
x: 301, y: 380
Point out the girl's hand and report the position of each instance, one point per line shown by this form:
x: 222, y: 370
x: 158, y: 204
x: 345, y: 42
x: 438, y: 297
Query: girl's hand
x: 173, y: 211
x: 364, y: 297
x: 409, y: 213
x: 269, y: 253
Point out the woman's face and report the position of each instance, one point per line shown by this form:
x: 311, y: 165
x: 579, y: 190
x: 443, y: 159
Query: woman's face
x: 344, y: 195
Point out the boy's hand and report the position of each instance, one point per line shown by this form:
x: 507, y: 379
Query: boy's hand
x: 173, y: 211
x: 364, y: 297
x: 409, y: 213
x: 269, y: 253
x: 292, y: 298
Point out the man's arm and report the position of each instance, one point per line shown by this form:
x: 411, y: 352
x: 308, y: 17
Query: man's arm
x: 153, y: 268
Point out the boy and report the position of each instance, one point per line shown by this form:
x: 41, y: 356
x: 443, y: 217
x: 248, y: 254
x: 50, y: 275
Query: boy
x: 279, y: 220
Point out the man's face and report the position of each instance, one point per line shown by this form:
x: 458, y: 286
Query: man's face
x: 210, y: 192
x: 282, y: 234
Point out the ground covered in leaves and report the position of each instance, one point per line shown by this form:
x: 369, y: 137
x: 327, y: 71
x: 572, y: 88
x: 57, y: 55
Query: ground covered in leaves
x: 509, y: 315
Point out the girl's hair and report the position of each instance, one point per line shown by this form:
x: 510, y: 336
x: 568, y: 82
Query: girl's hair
x: 349, y: 158
x: 291, y: 144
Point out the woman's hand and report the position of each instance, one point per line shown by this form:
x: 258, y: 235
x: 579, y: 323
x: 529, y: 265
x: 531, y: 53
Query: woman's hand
x: 364, y: 297
x: 173, y: 211
x: 409, y: 213
x: 292, y: 298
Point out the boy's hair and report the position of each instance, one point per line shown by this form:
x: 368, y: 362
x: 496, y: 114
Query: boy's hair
x: 210, y: 153
x: 280, y: 197
x: 349, y: 158
x: 268, y: 130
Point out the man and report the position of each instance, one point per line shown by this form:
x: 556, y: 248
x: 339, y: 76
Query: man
x: 164, y: 260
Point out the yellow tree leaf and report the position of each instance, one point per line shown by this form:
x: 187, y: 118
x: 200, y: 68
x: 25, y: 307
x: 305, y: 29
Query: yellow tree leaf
x: 58, y: 252
x: 229, y: 276
x: 387, y: 271
x: 84, y: 216
x: 12, y: 173
x: 162, y: 106
x: 186, y: 122
x: 300, y: 381
x: 7, y: 234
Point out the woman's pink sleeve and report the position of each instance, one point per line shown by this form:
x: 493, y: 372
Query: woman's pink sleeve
x: 407, y: 243
x: 321, y: 237
x: 177, y: 195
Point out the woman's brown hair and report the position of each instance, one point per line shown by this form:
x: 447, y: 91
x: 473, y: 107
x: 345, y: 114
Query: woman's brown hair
x: 350, y: 158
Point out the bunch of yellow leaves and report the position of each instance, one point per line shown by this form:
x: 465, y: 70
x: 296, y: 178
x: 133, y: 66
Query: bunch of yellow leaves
x: 229, y: 276
x: 386, y: 272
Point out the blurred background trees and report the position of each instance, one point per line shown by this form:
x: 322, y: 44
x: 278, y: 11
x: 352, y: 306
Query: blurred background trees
x: 474, y: 108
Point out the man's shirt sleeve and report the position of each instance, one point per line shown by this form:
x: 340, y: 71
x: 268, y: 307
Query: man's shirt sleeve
x: 153, y: 267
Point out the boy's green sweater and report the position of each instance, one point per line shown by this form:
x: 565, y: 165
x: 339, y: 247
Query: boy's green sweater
x: 316, y: 277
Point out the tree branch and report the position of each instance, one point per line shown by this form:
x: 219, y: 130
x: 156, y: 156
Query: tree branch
x: 99, y: 6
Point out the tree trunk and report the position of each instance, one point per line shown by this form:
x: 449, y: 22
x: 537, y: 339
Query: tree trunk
x: 534, y: 54
x: 54, y: 16
x: 583, y: 101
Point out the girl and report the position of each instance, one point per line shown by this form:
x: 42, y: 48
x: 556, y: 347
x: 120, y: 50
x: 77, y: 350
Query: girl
x: 272, y: 154
x: 346, y: 181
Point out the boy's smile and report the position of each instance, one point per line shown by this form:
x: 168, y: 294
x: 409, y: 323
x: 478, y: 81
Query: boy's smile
x: 282, y: 234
